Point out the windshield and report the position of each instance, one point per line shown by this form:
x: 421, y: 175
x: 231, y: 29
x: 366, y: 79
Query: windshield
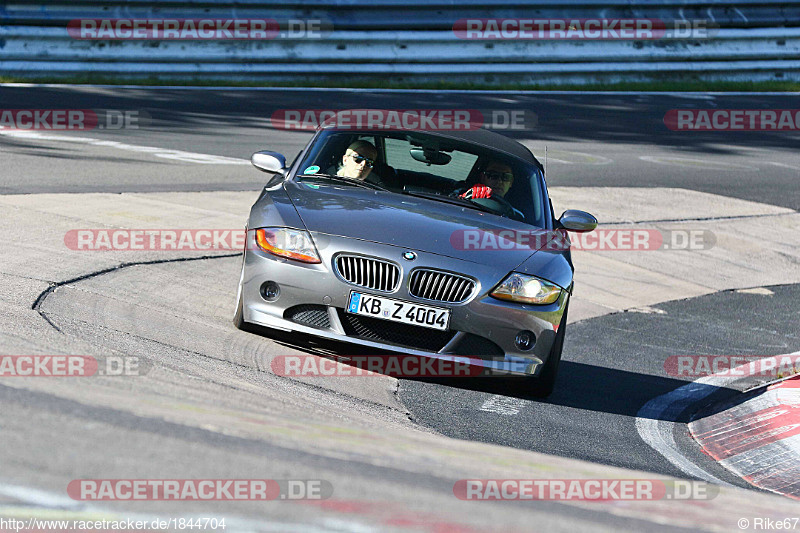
x: 428, y: 166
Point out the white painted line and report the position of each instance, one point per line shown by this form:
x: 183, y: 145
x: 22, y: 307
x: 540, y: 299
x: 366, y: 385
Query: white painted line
x: 34, y: 500
x: 646, y: 310
x: 761, y: 291
x: 784, y: 165
x: 502, y: 405
x: 178, y: 155
x: 580, y: 158
x: 338, y: 525
x: 701, y: 96
x: 568, y: 157
x: 699, y: 164
x: 39, y: 498
x: 655, y: 421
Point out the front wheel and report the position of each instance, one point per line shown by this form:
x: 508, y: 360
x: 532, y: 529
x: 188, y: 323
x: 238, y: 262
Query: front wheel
x: 542, y: 385
x: 238, y: 317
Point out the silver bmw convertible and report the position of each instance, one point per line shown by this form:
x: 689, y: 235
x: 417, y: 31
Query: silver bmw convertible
x: 431, y: 244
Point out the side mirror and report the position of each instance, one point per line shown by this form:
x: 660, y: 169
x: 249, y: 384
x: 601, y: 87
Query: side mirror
x: 271, y: 162
x: 577, y: 221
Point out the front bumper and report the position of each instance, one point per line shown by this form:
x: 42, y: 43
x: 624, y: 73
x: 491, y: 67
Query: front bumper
x: 482, y: 324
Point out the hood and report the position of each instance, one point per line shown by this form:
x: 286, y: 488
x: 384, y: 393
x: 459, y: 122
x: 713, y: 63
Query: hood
x: 409, y: 222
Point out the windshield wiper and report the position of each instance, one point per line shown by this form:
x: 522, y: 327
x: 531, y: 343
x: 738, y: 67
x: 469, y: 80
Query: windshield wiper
x: 342, y: 179
x: 455, y: 200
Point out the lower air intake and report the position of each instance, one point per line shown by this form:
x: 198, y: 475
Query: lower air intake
x: 375, y: 329
x: 315, y: 316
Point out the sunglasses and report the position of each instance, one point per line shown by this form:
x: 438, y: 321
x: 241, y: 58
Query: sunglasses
x: 361, y: 159
x: 498, y: 176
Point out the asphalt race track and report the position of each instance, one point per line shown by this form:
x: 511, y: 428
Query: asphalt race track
x: 615, y: 365
x: 206, y: 405
x: 235, y: 123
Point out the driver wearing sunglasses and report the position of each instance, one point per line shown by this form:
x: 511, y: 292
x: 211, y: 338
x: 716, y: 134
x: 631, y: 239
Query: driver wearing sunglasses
x: 358, y: 160
x: 496, y: 179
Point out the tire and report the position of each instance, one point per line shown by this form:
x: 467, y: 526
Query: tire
x: 238, y: 317
x: 542, y: 385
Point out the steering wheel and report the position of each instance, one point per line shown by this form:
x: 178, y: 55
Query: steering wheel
x: 498, y: 204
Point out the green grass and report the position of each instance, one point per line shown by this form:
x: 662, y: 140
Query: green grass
x: 660, y: 86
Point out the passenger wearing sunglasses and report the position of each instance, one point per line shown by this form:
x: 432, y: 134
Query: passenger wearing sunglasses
x: 496, y: 179
x: 358, y: 160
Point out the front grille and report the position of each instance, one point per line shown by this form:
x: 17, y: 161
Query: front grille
x: 376, y: 329
x: 440, y: 286
x: 368, y: 273
x: 315, y: 316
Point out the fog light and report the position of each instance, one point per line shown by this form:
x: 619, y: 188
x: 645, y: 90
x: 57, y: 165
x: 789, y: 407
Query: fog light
x: 525, y: 340
x: 270, y: 291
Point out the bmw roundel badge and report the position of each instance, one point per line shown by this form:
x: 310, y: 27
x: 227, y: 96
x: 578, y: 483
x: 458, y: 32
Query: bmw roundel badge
x: 409, y: 256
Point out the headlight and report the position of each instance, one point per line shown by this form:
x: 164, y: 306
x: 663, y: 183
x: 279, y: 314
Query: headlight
x: 526, y: 289
x: 292, y: 243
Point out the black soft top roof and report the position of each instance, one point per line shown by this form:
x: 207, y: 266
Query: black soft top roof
x: 492, y: 140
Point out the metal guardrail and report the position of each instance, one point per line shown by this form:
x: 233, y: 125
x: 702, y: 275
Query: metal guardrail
x: 52, y: 44
x: 412, y: 15
x: 412, y: 39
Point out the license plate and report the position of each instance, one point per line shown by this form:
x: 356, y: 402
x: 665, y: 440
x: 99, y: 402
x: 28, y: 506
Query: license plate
x: 398, y: 311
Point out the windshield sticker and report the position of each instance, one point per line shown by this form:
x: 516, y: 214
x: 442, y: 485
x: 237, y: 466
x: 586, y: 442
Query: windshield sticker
x: 313, y: 169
